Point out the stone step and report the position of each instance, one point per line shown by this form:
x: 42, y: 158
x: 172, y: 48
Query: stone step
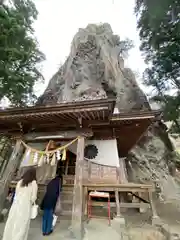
x: 69, y: 179
x: 67, y: 194
x: 65, y: 198
x: 66, y: 214
x: 67, y: 190
x: 68, y: 187
x: 66, y: 205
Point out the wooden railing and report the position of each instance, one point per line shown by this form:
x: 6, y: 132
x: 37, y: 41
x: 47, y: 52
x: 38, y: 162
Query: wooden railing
x: 120, y: 188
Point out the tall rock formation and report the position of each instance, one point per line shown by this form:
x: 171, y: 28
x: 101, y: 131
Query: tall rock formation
x: 95, y: 69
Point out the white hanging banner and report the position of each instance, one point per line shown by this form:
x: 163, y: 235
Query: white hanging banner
x: 58, y: 155
x: 53, y: 161
x: 35, y: 160
x: 41, y: 161
x: 26, y: 158
x: 47, y: 158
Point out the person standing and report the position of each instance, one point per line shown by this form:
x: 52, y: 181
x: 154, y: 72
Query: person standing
x: 18, y: 222
x: 48, y: 204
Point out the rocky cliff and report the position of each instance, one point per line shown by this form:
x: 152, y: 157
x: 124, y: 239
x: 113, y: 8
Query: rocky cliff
x: 95, y: 69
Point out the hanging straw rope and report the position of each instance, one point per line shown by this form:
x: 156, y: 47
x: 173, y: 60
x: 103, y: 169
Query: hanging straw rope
x: 49, y: 151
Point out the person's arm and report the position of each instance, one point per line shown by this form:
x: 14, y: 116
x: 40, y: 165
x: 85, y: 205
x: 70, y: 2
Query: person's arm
x: 34, y: 192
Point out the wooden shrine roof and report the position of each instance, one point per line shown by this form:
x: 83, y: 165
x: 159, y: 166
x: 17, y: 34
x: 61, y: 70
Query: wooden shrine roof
x: 96, y: 116
x: 62, y: 115
x: 127, y: 128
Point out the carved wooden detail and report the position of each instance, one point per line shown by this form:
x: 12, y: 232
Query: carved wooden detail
x: 93, y: 172
x: 86, y: 132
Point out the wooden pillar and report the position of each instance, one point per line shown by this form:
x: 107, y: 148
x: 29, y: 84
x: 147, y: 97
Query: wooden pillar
x: 122, y: 170
x: 77, y: 209
x: 9, y: 171
x: 117, y: 203
x: 67, y: 165
x: 155, y: 218
x: 143, y: 208
x: 85, y: 201
x: 154, y: 213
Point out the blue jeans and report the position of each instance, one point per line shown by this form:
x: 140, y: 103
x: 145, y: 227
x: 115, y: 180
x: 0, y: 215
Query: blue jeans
x: 47, y: 221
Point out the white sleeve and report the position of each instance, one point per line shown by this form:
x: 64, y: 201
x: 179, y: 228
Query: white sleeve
x: 18, y: 185
x: 34, y: 192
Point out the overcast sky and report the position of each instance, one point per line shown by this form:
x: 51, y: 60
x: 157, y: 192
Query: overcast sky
x: 58, y: 22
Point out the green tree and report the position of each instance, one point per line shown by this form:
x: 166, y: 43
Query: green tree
x: 125, y: 45
x: 19, y: 52
x: 159, y: 31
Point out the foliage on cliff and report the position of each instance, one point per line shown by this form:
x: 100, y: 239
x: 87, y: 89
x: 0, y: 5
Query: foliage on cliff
x: 159, y: 30
x: 19, y: 52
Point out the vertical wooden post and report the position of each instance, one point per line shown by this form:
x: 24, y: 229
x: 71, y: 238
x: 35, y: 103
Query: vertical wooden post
x: 85, y: 201
x: 155, y: 218
x: 153, y: 208
x: 77, y: 209
x: 89, y: 171
x: 9, y: 171
x: 117, y: 203
x: 123, y: 177
x: 67, y: 165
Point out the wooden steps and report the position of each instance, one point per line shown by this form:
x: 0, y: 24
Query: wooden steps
x: 67, y: 196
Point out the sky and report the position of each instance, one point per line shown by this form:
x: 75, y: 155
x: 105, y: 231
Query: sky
x: 58, y: 22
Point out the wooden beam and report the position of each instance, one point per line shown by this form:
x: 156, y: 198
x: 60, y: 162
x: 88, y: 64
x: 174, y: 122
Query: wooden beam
x: 9, y: 171
x: 77, y: 209
x: 125, y: 187
x: 122, y: 205
x: 26, y: 114
x: 59, y: 135
x: 65, y: 107
x: 135, y: 115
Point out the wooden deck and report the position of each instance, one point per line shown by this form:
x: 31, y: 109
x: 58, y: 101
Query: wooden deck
x: 116, y: 188
x: 121, y: 188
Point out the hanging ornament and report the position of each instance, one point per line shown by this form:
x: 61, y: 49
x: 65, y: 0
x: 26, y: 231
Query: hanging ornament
x: 41, y: 161
x: 58, y: 155
x: 35, y: 159
x: 26, y: 157
x: 53, y: 161
x: 64, y: 155
x: 47, y: 158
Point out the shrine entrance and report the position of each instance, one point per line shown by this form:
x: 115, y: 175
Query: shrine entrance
x: 67, y: 168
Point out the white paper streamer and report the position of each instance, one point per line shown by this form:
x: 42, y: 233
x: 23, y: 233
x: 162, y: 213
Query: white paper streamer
x: 41, y: 161
x: 35, y: 160
x: 26, y: 158
x: 58, y: 155
x: 47, y: 158
x: 53, y: 161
